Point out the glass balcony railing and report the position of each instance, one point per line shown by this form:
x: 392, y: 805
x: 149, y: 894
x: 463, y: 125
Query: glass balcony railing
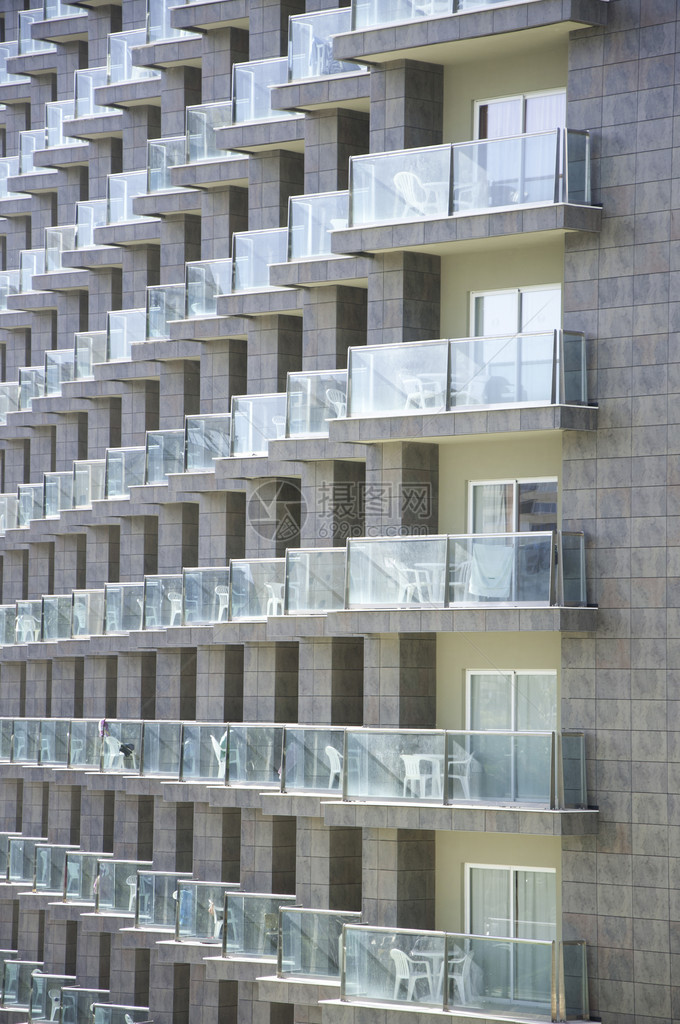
x: 123, y: 328
x: 85, y: 744
x: 310, y: 44
x: 86, y: 80
x: 470, y: 177
x: 4, y: 850
x: 50, y: 868
x: 57, y: 493
x: 16, y: 983
x: 200, y: 911
x: 9, y: 511
x: 119, y: 61
x: 76, y: 1003
x: 9, y: 400
x: 88, y: 482
x: 493, y: 975
x: 121, y: 189
x: 161, y: 749
x: 87, y: 617
x: 117, y: 886
x: 252, y: 928
x: 251, y: 90
x: 204, y: 753
x: 437, y: 376
x: 164, y: 303
x: 202, y: 121
x: 253, y: 254
x: 25, y: 742
x: 159, y: 27
x: 157, y: 899
x: 257, y: 588
x: 254, y: 755
x: 205, y: 280
x: 206, y: 596
x: 56, y: 114
x: 162, y: 155
x: 162, y: 601
x: 255, y: 421
x: 30, y: 503
x: 58, y: 9
x: 54, y: 740
x: 46, y: 995
x: 81, y: 875
x: 8, y: 614
x: 30, y: 142
x: 516, y: 569
x: 31, y: 385
x: 31, y: 262
x: 206, y: 438
x: 22, y: 857
x: 10, y: 48
x: 90, y: 348
x: 373, y: 13
x: 315, y: 580
x: 9, y: 168
x: 57, y: 241
x: 58, y: 369
x: 121, y: 746
x: 164, y: 454
x: 109, y: 1013
x: 6, y: 733
x: 311, y: 943
x: 27, y: 44
x: 312, y: 759
x: 56, y: 617
x: 314, y: 398
x: 311, y: 220
x: 90, y: 214
x: 124, y: 469
x: 124, y: 607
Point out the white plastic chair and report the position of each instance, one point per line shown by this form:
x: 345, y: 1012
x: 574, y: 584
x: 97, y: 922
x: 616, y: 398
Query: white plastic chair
x: 221, y: 756
x: 459, y: 767
x: 420, y: 198
x: 337, y: 401
x: 460, y: 965
x: 275, y: 598
x: 131, y: 881
x: 415, y: 778
x: 335, y: 762
x: 113, y: 756
x: 55, y: 1002
x: 279, y: 425
x: 27, y: 629
x: 222, y: 595
x: 408, y: 972
x: 413, y: 583
x: 175, y: 600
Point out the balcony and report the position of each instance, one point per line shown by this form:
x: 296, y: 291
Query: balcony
x: 311, y: 219
x: 312, y: 759
x: 46, y: 996
x: 251, y: 91
x: 90, y: 214
x: 121, y: 746
x: 9, y: 168
x: 164, y: 302
x: 311, y: 943
x: 50, y: 868
x: 31, y: 382
x: 111, y: 1013
x: 205, y: 280
x: 123, y: 327
x: 17, y: 982
x: 202, y: 121
x: 123, y: 607
x: 86, y: 80
x: 125, y: 468
x: 76, y: 1003
x: 88, y: 613
x: 257, y: 588
x: 465, y: 974
x: 310, y: 44
x: 88, y: 482
x: 54, y: 741
x: 58, y: 9
x: 56, y: 617
x: 10, y: 48
x: 205, y: 596
x: 255, y: 421
x: 156, y: 903
x: 57, y: 241
x: 206, y: 438
x: 30, y: 504
x: 161, y: 754
x: 312, y: 400
x: 57, y: 493
x: 252, y: 929
x: 164, y: 454
x: 21, y: 864
x: 117, y: 886
x: 55, y: 116
x: 162, y: 601
x: 26, y: 43
x: 314, y: 581
x: 25, y: 742
x: 81, y: 874
x: 253, y: 254
x: 30, y: 142
x: 89, y: 348
x: 9, y: 399
x: 200, y: 911
x: 162, y: 156
x: 119, y: 66
x: 159, y: 26
x: 31, y: 263
x: 121, y: 189
x: 204, y: 752
x: 85, y: 746
x: 58, y: 370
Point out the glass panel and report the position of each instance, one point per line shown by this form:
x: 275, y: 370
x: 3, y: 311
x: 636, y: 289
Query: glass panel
x: 500, y: 767
x: 108, y: 1013
x: 201, y: 123
x: 25, y: 737
x: 29, y: 621
x: 390, y: 380
x: 58, y: 9
x: 4, y: 852
x: 253, y: 924
x: 31, y: 385
x: 55, y: 116
x: 90, y: 214
x: 76, y: 1003
x: 9, y: 509
x: 493, y: 507
x: 88, y: 482
x: 207, y: 438
x: 206, y: 280
x: 86, y: 81
x: 495, y: 312
x: 30, y: 503
x: 310, y: 44
x: 159, y: 26
x: 22, y: 858
x: 255, y: 421
x: 503, y: 371
x: 85, y: 744
x: 315, y: 580
x: 395, y: 765
x: 6, y: 732
x: 50, y: 868
x: 311, y: 942
x: 313, y: 399
x: 251, y: 90
x: 505, y: 568
x: 505, y: 172
x: 56, y: 617
x: 254, y: 252
x: 162, y: 154
x: 200, y: 915
x: 119, y: 64
x: 125, y: 468
x: 574, y: 769
x: 58, y: 493
x: 121, y: 745
x: 123, y: 327
x: 541, y: 309
x: 58, y: 370
x: 54, y: 737
x: 162, y: 601
x: 88, y: 612
x: 157, y: 900
x: 575, y: 977
x: 9, y: 48
x: 121, y: 189
x: 9, y: 400
x: 311, y: 220
x: 578, y: 167
x: 16, y: 989
x: 408, y: 185
x: 367, y: 13
x: 117, y: 886
x: 81, y: 875
x: 404, y: 571
x: 161, y: 748
x: 204, y: 752
x: 389, y: 966
x: 29, y: 143
x: 257, y: 588
x: 254, y: 755
x: 206, y: 595
x: 90, y: 348
x: 46, y: 996
x: 574, y: 382
x: 124, y: 607
x: 27, y: 44
x: 312, y: 759
x: 573, y: 561
x: 164, y: 454
x: 31, y: 263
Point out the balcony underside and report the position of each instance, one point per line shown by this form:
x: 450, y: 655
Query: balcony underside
x: 349, y: 91
x: 253, y: 136
x: 519, y: 820
x: 218, y: 14
x: 319, y: 273
x: 212, y: 173
x: 338, y: 1012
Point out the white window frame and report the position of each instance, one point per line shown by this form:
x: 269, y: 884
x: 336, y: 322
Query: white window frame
x: 515, y: 481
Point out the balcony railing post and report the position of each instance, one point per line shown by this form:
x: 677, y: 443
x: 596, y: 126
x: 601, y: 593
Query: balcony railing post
x: 561, y: 179
x: 558, y: 369
x: 283, y: 769
x: 554, y: 983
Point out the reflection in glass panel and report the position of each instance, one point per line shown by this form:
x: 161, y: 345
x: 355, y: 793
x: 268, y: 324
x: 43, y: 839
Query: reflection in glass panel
x: 396, y: 765
x: 254, y: 755
x: 206, y: 438
x: 251, y: 90
x: 58, y: 493
x: 86, y: 81
x: 90, y: 214
x: 408, y: 185
x: 162, y: 155
x: 58, y: 369
x: 161, y: 748
x: 110, y: 1013
x: 315, y: 580
x: 123, y: 328
x: 390, y: 380
x: 164, y: 454
x: 119, y: 61
x: 162, y: 601
x: 201, y: 124
x: 311, y: 942
x: 200, y: 914
x: 16, y: 989
x: 312, y: 399
x: 85, y: 744
x: 88, y: 482
x: 157, y: 899
x: 56, y: 617
x: 29, y: 621
x: 54, y: 740
x: 253, y: 924
x: 81, y: 875
x: 204, y: 751
x: 90, y: 348
x: 46, y: 995
x: 76, y: 1003
x: 50, y: 868
x: 88, y: 612
x: 121, y: 189
x: 125, y: 468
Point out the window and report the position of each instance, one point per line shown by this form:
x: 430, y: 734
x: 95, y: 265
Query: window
x: 518, y: 310
x: 512, y: 701
x: 517, y: 115
x: 512, y: 506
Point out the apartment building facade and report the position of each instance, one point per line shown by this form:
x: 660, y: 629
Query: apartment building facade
x: 338, y: 515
